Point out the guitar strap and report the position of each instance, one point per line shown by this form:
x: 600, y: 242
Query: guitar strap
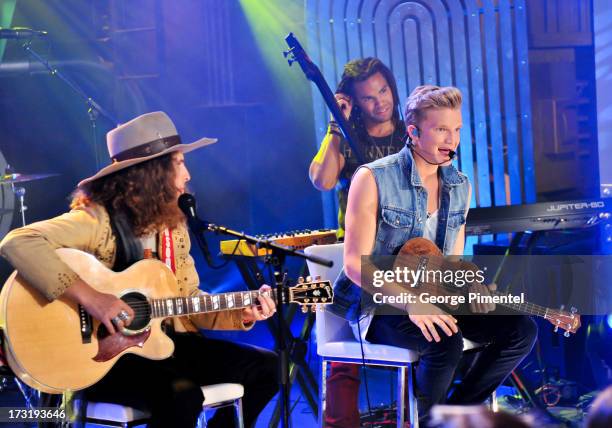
x: 129, y: 247
x: 130, y: 250
x: 167, y: 251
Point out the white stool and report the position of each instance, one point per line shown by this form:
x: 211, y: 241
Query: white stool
x: 115, y: 415
x: 222, y: 395
x: 215, y: 396
x: 336, y: 343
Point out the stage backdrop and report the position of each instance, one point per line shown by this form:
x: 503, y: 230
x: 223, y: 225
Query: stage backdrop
x: 479, y: 47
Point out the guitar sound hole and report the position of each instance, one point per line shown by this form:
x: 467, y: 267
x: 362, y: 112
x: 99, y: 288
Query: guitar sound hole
x: 142, y: 310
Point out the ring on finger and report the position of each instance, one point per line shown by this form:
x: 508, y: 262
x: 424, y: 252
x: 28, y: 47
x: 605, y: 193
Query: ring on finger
x: 116, y: 320
x: 123, y: 315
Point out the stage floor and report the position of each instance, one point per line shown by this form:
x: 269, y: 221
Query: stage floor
x: 381, y: 385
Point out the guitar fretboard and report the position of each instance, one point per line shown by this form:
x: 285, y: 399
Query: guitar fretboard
x: 533, y: 309
x: 203, y: 303
x: 526, y: 308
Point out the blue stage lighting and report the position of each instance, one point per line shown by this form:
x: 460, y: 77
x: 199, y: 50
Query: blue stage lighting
x: 609, y: 321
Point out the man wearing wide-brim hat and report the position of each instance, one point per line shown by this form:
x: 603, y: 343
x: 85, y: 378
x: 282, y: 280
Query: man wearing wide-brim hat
x: 125, y: 212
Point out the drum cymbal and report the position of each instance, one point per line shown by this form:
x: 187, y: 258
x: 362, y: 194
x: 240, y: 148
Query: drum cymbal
x: 21, y: 178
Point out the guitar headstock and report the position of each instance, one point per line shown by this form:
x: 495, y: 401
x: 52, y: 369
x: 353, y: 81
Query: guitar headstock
x: 296, y: 53
x: 568, y: 321
x: 311, y: 292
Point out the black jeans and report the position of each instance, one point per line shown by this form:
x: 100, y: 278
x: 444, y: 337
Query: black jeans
x: 170, y: 389
x: 510, y: 339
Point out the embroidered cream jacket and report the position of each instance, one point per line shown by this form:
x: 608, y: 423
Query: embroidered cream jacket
x: 31, y: 251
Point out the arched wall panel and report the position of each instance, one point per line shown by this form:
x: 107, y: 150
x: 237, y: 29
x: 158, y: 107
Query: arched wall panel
x: 480, y: 46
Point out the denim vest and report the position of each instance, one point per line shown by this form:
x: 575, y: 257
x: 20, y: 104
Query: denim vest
x: 402, y: 212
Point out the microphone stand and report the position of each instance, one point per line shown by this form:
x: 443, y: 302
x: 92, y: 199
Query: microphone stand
x: 93, y: 108
x: 274, y: 260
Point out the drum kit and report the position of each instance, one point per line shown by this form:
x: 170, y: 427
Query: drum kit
x: 13, y: 179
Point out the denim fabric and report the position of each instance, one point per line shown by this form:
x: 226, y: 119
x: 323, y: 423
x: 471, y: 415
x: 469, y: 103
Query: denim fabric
x: 402, y: 212
x: 509, y: 339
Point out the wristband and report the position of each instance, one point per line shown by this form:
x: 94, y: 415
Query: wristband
x: 333, y: 125
x: 334, y: 130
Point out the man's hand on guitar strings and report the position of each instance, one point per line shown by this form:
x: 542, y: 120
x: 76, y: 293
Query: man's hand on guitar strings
x: 101, y: 306
x: 264, y: 310
x: 477, y: 306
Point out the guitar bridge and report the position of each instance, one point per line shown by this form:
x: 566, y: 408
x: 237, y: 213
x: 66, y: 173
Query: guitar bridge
x: 85, y: 324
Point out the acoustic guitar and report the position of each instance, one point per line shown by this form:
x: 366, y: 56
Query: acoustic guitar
x: 422, y: 254
x: 57, y: 346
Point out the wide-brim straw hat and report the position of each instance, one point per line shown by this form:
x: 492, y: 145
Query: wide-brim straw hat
x: 141, y: 139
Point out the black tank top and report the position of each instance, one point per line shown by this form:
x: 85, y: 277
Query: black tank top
x: 372, y: 148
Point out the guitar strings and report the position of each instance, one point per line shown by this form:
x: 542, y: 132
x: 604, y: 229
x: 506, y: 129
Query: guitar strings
x: 149, y: 306
x: 150, y: 310
x: 149, y: 303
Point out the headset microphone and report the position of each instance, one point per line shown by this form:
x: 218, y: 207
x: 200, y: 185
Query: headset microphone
x: 451, y: 154
x: 417, y: 133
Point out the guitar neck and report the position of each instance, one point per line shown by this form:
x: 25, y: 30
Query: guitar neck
x: 314, y: 74
x: 205, y: 303
x: 527, y: 307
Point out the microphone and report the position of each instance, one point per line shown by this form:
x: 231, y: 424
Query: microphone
x: 451, y: 155
x: 187, y: 204
x: 20, y: 33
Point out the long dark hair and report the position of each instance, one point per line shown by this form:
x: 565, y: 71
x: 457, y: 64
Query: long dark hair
x: 145, y: 193
x: 359, y: 70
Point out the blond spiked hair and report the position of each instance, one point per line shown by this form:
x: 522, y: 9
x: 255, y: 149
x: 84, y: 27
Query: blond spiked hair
x: 429, y: 97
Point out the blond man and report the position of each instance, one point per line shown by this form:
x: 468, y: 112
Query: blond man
x: 419, y: 193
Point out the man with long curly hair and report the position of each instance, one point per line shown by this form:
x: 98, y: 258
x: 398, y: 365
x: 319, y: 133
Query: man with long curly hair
x: 367, y: 95
x: 125, y: 212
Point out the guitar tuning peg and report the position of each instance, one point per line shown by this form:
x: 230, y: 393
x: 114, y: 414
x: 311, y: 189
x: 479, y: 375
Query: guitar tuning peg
x: 562, y: 307
x: 573, y: 310
x: 317, y: 278
x: 313, y: 308
x: 308, y: 278
x: 300, y: 280
x: 566, y: 334
x: 286, y: 53
x: 304, y: 308
x: 556, y: 330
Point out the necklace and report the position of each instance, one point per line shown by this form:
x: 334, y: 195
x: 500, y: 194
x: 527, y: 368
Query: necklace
x: 373, y: 143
